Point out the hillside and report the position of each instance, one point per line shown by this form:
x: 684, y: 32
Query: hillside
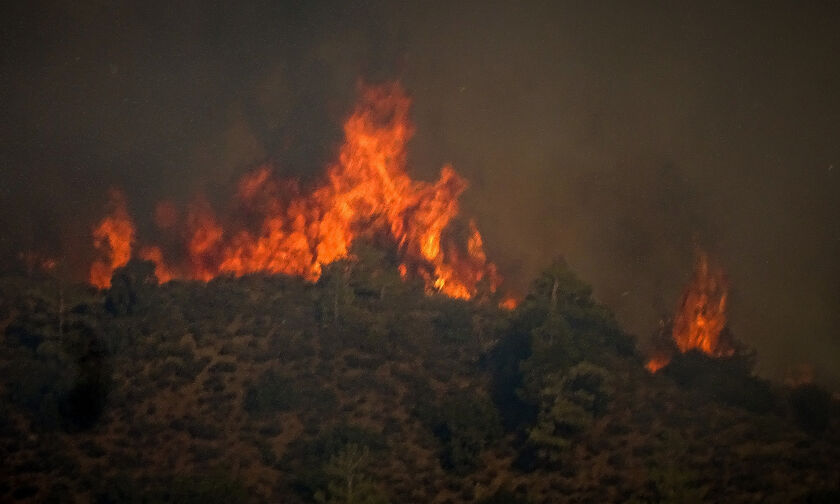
x: 361, y: 388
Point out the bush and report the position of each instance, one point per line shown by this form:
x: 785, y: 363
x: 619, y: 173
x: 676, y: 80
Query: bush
x: 65, y: 383
x: 130, y: 286
x: 504, y: 497
x: 309, y: 460
x: 117, y: 489
x: 348, y: 482
x: 811, y: 406
x: 453, y: 321
x: 38, y: 387
x: 216, y: 488
x: 465, y: 424
x: 223, y: 367
x: 27, y: 332
x: 271, y: 394
x: 567, y: 406
x: 728, y: 380
x: 274, y: 393
x: 202, y: 430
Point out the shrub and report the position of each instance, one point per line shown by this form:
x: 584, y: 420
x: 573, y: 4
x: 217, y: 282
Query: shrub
x: 503, y: 496
x: 347, y: 481
x: 215, y: 488
x: 453, y: 322
x: 64, y: 384
x: 202, y: 430
x: 271, y: 394
x: 811, y: 406
x: 728, y: 380
x: 223, y: 367
x: 567, y: 406
x: 117, y: 489
x: 310, y: 459
x: 26, y: 331
x: 129, y: 288
x: 465, y: 424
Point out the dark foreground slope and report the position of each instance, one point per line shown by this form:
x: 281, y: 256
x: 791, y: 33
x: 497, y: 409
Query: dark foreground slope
x: 361, y: 389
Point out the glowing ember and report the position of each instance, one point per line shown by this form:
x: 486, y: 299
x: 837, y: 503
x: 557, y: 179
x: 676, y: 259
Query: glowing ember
x: 701, y: 315
x: 280, y: 229
x: 657, y: 362
x: 112, y: 238
x: 36, y: 261
x: 509, y: 303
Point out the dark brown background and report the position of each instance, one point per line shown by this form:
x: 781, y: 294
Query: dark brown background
x: 615, y: 135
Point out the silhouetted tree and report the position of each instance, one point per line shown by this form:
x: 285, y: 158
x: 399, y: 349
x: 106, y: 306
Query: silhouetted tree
x: 129, y: 285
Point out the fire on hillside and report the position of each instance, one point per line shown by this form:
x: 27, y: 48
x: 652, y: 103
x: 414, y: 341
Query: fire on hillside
x: 277, y: 227
x: 700, y: 318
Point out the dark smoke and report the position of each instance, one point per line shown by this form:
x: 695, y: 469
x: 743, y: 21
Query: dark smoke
x: 619, y: 136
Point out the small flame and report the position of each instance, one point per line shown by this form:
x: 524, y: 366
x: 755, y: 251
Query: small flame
x: 701, y: 315
x: 657, y: 362
x: 509, y: 303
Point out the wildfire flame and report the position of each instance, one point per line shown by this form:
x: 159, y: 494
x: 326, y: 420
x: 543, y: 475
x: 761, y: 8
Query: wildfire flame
x: 657, y: 362
x: 278, y: 228
x: 701, y: 315
x: 113, y: 238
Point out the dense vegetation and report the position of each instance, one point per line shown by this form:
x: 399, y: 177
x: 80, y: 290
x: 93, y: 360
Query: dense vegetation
x: 361, y: 389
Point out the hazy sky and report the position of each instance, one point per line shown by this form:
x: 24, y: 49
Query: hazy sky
x: 617, y: 135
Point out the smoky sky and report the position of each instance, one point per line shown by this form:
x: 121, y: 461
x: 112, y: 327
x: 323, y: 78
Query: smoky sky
x: 619, y: 136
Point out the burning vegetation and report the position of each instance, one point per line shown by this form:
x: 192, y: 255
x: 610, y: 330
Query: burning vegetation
x: 700, y: 320
x: 277, y: 227
x: 113, y: 237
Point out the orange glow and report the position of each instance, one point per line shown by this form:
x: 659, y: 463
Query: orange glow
x: 701, y: 315
x: 112, y: 238
x: 509, y: 303
x: 277, y: 227
x: 36, y: 261
x: 166, y: 215
x: 657, y: 362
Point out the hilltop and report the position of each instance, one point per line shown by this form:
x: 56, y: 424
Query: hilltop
x: 363, y: 388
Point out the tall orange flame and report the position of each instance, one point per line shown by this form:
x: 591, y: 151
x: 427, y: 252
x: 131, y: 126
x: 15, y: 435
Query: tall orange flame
x: 112, y: 238
x: 367, y: 191
x: 701, y: 315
